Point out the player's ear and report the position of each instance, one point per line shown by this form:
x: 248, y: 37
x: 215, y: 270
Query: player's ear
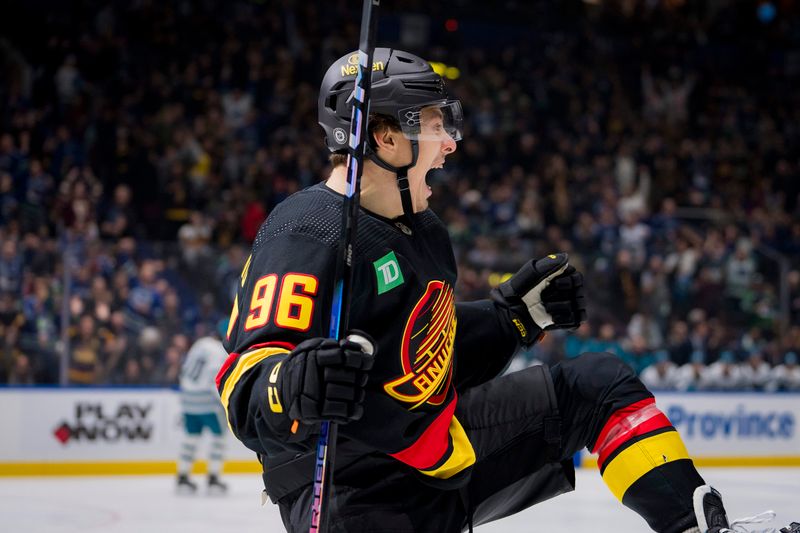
x: 385, y: 139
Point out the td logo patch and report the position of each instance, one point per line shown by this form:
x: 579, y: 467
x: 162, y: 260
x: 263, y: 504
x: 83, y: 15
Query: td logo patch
x: 387, y: 272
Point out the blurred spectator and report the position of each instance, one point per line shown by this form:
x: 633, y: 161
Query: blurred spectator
x: 724, y: 374
x: 693, y: 375
x: 662, y: 374
x: 11, y: 319
x: 86, y: 353
x: 578, y: 342
x: 633, y: 236
x: 169, y: 369
x: 682, y: 264
x: 145, y: 303
x: 118, y: 345
x: 10, y: 267
x: 547, y: 351
x: 237, y: 106
x: 637, y: 354
x: 794, y: 296
x: 655, y: 297
x: 148, y: 356
x: 252, y: 218
x: 9, y: 205
x: 132, y: 374
x: 21, y: 371
x: 645, y: 326
x: 173, y: 320
x: 68, y: 80
x: 194, y: 237
x: 678, y: 344
x: 605, y: 341
x: 786, y: 376
x: 755, y: 372
x: 119, y: 219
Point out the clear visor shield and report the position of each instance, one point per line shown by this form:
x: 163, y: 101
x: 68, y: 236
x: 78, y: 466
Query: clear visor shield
x: 437, y: 121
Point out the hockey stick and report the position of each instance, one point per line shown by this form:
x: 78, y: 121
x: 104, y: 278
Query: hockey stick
x: 340, y: 307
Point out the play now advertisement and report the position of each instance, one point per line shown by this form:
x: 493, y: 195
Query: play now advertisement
x: 53, y: 425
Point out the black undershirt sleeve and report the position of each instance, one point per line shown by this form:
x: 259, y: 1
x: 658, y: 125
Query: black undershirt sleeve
x: 484, y: 344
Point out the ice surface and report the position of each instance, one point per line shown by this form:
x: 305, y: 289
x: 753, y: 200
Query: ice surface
x: 149, y: 504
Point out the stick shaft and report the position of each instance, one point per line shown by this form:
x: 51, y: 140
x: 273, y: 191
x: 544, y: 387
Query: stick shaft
x: 340, y: 307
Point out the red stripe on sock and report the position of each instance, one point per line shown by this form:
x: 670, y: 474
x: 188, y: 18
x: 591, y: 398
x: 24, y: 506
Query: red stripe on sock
x: 657, y: 422
x: 618, y: 416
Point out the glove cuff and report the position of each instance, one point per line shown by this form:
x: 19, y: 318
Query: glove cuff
x: 515, y: 312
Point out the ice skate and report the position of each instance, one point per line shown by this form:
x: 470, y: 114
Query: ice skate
x: 711, y: 516
x: 185, y: 486
x: 216, y: 487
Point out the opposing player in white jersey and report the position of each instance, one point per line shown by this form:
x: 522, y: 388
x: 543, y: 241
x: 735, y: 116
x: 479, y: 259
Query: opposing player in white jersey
x: 202, y: 409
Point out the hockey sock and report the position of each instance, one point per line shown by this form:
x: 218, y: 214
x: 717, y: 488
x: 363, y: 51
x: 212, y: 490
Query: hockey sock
x: 215, y: 455
x: 646, y: 466
x: 188, y: 449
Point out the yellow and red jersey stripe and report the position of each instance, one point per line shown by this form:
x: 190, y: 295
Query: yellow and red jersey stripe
x: 443, y: 449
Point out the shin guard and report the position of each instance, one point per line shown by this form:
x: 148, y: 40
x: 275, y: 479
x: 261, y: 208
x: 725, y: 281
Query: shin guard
x: 646, y: 466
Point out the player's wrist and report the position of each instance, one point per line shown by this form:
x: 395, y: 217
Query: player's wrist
x: 324, y: 379
x: 544, y: 294
x: 514, y: 313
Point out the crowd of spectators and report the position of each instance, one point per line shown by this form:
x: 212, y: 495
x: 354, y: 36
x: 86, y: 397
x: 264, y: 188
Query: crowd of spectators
x: 142, y: 144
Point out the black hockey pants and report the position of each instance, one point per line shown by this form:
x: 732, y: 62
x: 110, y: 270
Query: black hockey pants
x: 524, y: 427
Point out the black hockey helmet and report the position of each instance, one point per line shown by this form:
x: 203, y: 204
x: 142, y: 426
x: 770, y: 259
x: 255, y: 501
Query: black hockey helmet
x: 402, y: 84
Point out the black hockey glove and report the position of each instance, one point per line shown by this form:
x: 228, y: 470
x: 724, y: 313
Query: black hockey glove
x: 545, y: 294
x: 324, y: 379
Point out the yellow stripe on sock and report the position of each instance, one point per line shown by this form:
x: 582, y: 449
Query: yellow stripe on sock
x: 640, y: 458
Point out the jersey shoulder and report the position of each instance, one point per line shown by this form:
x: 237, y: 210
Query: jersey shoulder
x: 315, y: 212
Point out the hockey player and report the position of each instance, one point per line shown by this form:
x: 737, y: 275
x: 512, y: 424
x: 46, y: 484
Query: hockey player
x: 201, y: 410
x: 432, y: 438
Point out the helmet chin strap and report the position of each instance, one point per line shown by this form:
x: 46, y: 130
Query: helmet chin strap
x: 402, y: 176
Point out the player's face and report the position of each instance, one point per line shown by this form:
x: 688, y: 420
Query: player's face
x: 435, y: 145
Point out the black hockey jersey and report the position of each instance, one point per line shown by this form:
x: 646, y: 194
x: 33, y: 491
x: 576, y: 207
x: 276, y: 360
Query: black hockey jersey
x: 402, y: 296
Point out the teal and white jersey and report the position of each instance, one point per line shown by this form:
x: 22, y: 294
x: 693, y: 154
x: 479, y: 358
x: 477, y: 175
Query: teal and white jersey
x: 198, y: 389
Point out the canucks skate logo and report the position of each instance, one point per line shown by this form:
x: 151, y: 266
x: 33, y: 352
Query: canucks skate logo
x: 426, y: 353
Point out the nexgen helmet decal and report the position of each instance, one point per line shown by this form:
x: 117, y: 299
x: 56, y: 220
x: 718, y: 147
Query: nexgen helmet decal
x: 426, y: 353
